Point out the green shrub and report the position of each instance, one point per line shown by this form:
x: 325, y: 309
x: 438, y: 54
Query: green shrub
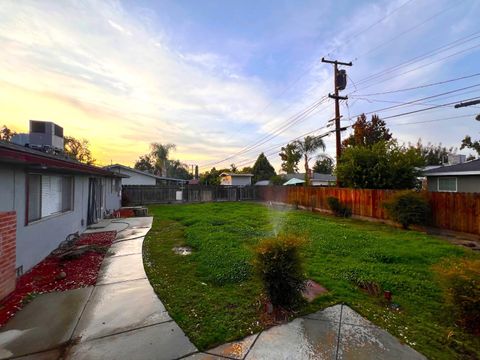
x: 280, y: 267
x: 338, y: 208
x: 408, y: 208
x: 461, y: 282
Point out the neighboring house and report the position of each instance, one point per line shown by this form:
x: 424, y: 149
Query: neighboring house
x: 316, y: 180
x: 464, y: 177
x: 138, y: 177
x: 233, y: 179
x: 263, y: 183
x: 49, y: 196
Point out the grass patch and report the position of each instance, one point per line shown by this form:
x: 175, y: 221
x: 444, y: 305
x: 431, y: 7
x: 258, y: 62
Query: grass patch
x: 214, y: 296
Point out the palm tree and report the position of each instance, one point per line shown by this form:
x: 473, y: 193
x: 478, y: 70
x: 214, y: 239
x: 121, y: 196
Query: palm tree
x: 308, y: 147
x: 160, y: 154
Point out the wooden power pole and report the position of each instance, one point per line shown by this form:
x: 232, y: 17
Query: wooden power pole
x: 337, y: 105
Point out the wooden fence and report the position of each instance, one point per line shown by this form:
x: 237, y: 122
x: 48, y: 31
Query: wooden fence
x: 451, y: 211
x: 154, y: 194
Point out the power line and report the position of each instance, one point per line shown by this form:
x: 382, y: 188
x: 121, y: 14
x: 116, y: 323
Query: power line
x: 435, y: 120
x: 304, y: 114
x: 419, y: 86
x: 408, y: 30
x: 351, y: 38
x: 421, y: 99
x: 314, y: 63
x: 421, y: 57
x: 426, y: 109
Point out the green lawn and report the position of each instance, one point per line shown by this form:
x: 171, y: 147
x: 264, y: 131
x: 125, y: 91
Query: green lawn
x: 214, y: 296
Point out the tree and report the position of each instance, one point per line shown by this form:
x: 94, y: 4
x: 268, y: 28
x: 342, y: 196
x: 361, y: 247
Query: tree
x: 290, y: 156
x: 323, y: 165
x: 211, y: 177
x: 433, y: 154
x: 307, y: 148
x: 6, y: 134
x: 159, y: 153
x: 246, y: 170
x: 78, y: 149
x: 384, y: 165
x: 145, y: 163
x: 468, y: 143
x: 233, y: 168
x: 262, y: 169
x: 367, y: 133
x: 177, y: 169
x: 277, y: 180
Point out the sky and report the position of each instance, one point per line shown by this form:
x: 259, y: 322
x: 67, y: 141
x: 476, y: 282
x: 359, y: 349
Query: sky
x: 222, y: 79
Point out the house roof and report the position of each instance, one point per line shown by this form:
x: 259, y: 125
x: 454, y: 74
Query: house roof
x: 316, y: 176
x: 126, y: 168
x: 466, y: 168
x: 236, y: 174
x: 262, y: 183
x: 294, y: 181
x: 11, y: 153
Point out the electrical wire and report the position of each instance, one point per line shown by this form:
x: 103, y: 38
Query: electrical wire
x: 299, y: 117
x: 419, y: 86
x: 368, y: 52
x: 419, y: 58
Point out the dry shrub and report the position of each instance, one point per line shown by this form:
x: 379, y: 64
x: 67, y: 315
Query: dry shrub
x: 280, y: 267
x: 461, y: 283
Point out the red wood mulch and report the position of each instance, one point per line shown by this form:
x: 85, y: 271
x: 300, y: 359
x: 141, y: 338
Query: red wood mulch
x: 44, y: 277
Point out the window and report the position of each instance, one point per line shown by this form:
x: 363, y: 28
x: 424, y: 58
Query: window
x: 447, y: 184
x: 48, y: 195
x: 118, y: 185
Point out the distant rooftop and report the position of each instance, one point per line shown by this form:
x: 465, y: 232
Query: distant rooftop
x: 466, y: 168
x: 316, y: 176
x: 146, y: 173
x: 235, y: 174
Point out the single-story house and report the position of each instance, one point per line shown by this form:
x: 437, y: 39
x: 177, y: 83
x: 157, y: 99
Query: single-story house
x: 316, y: 180
x: 138, y: 177
x: 463, y: 177
x: 234, y: 179
x: 44, y: 197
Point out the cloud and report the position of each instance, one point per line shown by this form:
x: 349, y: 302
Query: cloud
x: 109, y: 66
x: 122, y: 79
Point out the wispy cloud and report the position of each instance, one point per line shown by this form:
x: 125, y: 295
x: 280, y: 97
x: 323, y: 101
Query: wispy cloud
x: 122, y: 78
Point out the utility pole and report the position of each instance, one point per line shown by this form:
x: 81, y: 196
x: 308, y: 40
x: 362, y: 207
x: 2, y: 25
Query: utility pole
x: 337, y: 104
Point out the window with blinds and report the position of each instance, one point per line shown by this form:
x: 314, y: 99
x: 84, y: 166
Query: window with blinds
x: 448, y: 184
x: 48, y: 195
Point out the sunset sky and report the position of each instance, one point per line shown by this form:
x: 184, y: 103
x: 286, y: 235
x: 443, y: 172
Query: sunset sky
x: 214, y: 77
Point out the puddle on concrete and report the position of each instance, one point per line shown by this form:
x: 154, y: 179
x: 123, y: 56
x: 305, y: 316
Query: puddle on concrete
x: 182, y: 250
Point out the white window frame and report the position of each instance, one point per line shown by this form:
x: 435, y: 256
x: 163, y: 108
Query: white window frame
x: 447, y: 177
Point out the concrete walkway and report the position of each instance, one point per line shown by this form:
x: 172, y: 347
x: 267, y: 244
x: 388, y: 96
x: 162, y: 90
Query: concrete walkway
x: 122, y: 318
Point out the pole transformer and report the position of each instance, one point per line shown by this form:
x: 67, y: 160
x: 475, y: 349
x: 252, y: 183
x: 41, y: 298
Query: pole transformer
x: 338, y: 86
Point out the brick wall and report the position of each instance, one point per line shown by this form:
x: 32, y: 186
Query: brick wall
x: 8, y: 228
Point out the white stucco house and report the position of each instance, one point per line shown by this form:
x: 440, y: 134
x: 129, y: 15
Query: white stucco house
x: 233, y: 179
x: 48, y: 196
x: 138, y: 177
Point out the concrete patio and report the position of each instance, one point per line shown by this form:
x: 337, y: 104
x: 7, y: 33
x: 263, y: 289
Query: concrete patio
x: 122, y: 318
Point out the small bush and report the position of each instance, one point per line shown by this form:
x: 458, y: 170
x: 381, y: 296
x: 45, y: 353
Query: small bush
x: 280, y: 267
x: 461, y: 282
x: 338, y: 208
x: 408, y: 208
